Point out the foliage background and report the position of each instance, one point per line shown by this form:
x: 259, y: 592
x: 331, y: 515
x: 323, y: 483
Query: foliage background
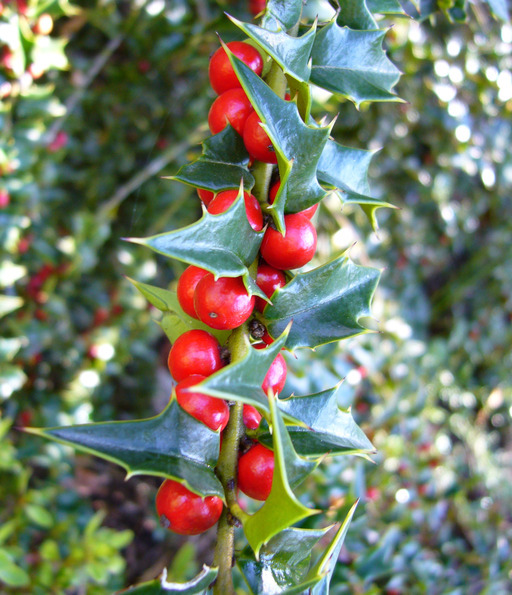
x: 92, y: 115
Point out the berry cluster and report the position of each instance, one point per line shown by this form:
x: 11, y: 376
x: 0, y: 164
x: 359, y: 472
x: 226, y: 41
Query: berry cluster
x: 224, y: 304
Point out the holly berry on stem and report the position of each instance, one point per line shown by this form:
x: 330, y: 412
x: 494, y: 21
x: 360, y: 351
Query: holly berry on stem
x: 255, y: 472
x: 186, y: 287
x: 257, y: 142
x: 275, y: 378
x: 309, y: 212
x: 211, y: 411
x: 251, y: 417
x: 224, y: 200
x: 221, y: 73
x: 293, y: 250
x: 184, y: 512
x: 206, y: 196
x: 232, y: 107
x: 194, y: 352
x: 268, y: 279
x: 223, y: 303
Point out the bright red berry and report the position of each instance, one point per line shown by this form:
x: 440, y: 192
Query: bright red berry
x: 194, y: 352
x: 186, y: 288
x: 221, y: 73
x: 184, y: 512
x: 224, y: 200
x: 211, y: 411
x: 295, y: 248
x: 206, y: 196
x: 268, y: 279
x: 222, y: 304
x: 251, y: 417
x: 276, y: 376
x: 309, y: 212
x: 256, y: 6
x: 255, y: 472
x: 257, y: 141
x: 232, y: 107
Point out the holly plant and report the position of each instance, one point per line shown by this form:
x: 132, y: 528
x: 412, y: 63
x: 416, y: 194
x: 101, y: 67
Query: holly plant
x: 249, y: 294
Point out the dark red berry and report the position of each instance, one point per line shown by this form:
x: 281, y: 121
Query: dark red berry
x: 293, y: 250
x: 275, y: 378
x: 186, y: 288
x: 225, y: 199
x: 257, y: 141
x: 206, y: 196
x: 211, y: 411
x: 256, y: 471
x: 251, y: 417
x: 268, y: 279
x: 232, y: 107
x: 221, y: 73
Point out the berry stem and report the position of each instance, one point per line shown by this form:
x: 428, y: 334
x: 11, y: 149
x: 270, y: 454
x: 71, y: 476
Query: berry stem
x: 227, y: 473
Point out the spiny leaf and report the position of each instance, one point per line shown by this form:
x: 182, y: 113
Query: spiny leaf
x: 283, y: 562
x: 329, y: 429
x: 385, y: 7
x: 223, y: 244
x: 281, y: 509
x: 353, y: 64
x: 355, y: 14
x: 161, y: 586
x: 296, y: 144
x: 324, y: 568
x: 291, y: 53
x: 325, y: 304
x: 287, y: 13
x: 175, y: 321
x: 242, y: 380
x: 221, y: 166
x: 172, y: 444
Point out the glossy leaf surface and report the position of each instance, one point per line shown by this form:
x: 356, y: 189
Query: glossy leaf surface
x: 329, y: 429
x: 282, y: 508
x: 223, y: 244
x: 287, y: 13
x: 298, y: 146
x: 356, y: 15
x: 172, y: 444
x: 353, y: 64
x: 222, y: 164
x: 162, y: 586
x: 325, y: 304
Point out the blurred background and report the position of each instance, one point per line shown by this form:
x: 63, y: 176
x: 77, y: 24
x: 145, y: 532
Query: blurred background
x: 99, y: 100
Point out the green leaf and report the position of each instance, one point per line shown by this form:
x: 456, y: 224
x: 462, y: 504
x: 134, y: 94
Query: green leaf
x: 355, y: 14
x: 287, y: 12
x: 291, y: 53
x: 39, y: 515
x: 385, y: 7
x: 10, y: 573
x: 12, y: 378
x: 281, y: 509
x: 172, y: 444
x: 9, y: 303
x: 283, y: 562
x: 353, y: 64
x: 329, y: 429
x: 325, y: 304
x: 324, y: 568
x: 175, y: 322
x: 161, y: 586
x: 242, y: 380
x: 298, y: 146
x: 223, y: 244
x: 9, y: 348
x: 346, y: 169
x: 221, y: 166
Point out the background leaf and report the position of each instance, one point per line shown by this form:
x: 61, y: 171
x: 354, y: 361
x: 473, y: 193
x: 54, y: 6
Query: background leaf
x: 161, y: 586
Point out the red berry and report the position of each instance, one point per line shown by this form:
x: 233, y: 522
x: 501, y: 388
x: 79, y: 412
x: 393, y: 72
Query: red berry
x: 276, y: 376
x: 194, y: 352
x: 268, y: 279
x: 255, y: 472
x: 186, y: 288
x: 5, y: 199
x: 257, y: 141
x: 309, y: 212
x: 222, y: 304
x: 224, y: 200
x: 251, y: 417
x: 221, y: 73
x: 211, y: 411
x: 295, y: 248
x: 184, y: 512
x: 205, y: 195
x: 256, y: 6
x: 232, y: 107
